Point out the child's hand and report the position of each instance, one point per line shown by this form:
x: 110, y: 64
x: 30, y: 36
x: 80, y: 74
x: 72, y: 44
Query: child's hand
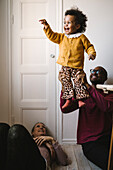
x: 91, y: 57
x: 44, y: 22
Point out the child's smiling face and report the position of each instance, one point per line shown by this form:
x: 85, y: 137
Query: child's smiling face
x: 70, y: 26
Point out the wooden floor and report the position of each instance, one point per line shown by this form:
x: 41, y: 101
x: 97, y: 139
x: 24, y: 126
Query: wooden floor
x: 78, y: 160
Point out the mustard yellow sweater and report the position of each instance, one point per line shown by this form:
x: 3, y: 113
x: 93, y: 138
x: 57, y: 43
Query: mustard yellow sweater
x: 71, y: 50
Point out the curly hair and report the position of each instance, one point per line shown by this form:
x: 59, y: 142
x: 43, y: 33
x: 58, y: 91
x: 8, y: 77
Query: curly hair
x: 80, y: 18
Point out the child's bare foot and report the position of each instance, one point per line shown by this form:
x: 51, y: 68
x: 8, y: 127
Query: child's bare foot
x: 81, y: 103
x: 67, y: 103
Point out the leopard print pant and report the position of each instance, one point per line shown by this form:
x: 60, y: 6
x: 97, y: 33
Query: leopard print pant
x: 66, y: 75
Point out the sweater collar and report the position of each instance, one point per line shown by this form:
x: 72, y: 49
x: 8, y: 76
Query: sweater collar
x: 73, y: 35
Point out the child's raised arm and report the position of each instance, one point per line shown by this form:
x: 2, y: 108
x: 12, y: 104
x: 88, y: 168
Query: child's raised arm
x: 44, y: 22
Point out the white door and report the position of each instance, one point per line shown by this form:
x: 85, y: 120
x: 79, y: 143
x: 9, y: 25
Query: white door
x: 33, y: 64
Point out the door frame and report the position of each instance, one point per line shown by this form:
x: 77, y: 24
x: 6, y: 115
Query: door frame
x: 59, y: 27
x: 9, y: 56
x: 59, y: 115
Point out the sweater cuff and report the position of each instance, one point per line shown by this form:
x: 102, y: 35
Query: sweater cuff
x: 55, y: 145
x: 45, y: 30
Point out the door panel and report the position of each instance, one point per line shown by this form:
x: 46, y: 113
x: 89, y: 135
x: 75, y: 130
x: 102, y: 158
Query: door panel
x: 33, y: 70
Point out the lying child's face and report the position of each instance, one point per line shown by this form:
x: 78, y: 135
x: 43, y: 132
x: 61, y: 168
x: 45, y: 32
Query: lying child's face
x: 70, y: 26
x: 39, y: 130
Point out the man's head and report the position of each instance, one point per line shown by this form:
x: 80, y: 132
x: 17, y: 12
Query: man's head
x: 98, y: 75
x: 39, y: 129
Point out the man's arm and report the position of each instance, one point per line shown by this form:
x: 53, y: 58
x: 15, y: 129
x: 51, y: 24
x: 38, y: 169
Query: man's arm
x: 103, y: 102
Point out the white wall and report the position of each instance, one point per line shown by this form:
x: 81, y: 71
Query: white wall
x: 99, y: 31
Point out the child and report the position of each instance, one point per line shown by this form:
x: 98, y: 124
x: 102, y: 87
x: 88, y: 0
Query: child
x: 72, y: 44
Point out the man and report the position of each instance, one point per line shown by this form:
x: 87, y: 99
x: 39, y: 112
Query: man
x: 95, y: 119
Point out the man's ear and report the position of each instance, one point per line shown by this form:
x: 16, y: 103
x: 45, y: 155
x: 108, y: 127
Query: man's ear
x: 77, y: 26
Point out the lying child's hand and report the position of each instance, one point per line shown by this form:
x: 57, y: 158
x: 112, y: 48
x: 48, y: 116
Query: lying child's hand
x: 42, y: 139
x: 44, y: 22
